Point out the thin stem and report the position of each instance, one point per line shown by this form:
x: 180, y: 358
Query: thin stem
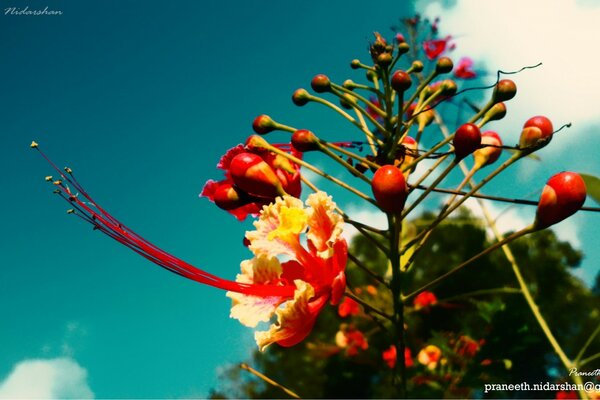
x: 417, y: 184
x: 346, y: 165
x: 320, y: 172
x: 589, y: 359
x: 367, y: 305
x: 371, y: 138
x: 454, y: 270
x: 396, y: 287
x: 270, y: 381
x: 482, y: 292
x: 350, y: 154
x: 426, y: 192
x: 362, y: 266
x: 586, y: 345
x: 357, y: 224
x: 516, y: 270
x: 377, y: 110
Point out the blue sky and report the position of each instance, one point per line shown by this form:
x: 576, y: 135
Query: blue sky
x: 141, y: 99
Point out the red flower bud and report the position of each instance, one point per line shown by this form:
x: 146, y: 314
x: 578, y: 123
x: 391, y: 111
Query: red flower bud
x: 444, y: 65
x: 536, y: 133
x: 488, y: 155
x: 563, y: 196
x: 263, y: 124
x: 504, y: 91
x: 253, y: 175
x: 304, y: 140
x: 321, y: 83
x: 300, y: 97
x: 401, y: 81
x: 466, y: 140
x: 226, y: 197
x: 389, y: 189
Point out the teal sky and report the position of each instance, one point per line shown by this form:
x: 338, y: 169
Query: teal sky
x: 141, y: 99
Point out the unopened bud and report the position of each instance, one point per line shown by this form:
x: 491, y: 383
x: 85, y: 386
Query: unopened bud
x: 355, y: 64
x: 300, y: 97
x: 443, y: 65
x: 321, y: 83
x: 33, y: 144
x: 304, y: 140
x: 504, y: 91
x: 403, y: 47
x: 263, y: 124
x: 401, y: 81
x: 417, y: 66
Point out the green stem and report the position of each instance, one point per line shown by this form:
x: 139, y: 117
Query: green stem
x: 367, y: 305
x: 270, y: 381
x: 454, y: 270
x: 429, y: 189
x: 321, y: 173
x: 362, y: 266
x: 396, y: 288
x: 343, y: 163
x: 586, y: 345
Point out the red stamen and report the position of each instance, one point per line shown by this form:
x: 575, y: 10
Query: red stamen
x: 92, y: 213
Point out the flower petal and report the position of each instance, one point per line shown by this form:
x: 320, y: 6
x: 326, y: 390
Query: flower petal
x: 263, y: 241
x: 325, y: 226
x: 295, y: 319
x: 250, y: 310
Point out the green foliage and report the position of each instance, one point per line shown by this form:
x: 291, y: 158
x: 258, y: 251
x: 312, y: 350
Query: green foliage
x: 592, y: 184
x: 480, y: 305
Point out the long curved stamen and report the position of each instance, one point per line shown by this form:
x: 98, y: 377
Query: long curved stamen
x: 92, y: 213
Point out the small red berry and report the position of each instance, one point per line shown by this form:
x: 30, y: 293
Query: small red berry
x: 389, y: 189
x: 263, y: 124
x: 563, y: 196
x: 466, y: 140
x: 401, y: 81
x: 487, y: 155
x: 321, y: 83
x: 504, y: 91
x: 304, y: 140
x: 537, y: 132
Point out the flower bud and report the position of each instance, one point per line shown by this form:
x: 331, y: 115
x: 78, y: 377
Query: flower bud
x: 304, y: 140
x: 355, y: 64
x: 488, y: 155
x: 537, y: 132
x: 263, y: 124
x: 401, y: 81
x: 504, y: 91
x: 389, y: 189
x: 253, y: 175
x: 443, y: 65
x: 300, y: 97
x: 403, y: 47
x: 466, y: 140
x: 321, y: 83
x: 498, y: 111
x: 563, y: 195
x: 416, y: 66
x: 226, y: 197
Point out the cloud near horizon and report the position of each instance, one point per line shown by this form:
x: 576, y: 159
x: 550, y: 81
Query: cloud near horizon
x: 56, y: 378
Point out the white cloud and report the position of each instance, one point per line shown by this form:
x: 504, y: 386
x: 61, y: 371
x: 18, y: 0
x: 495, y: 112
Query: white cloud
x: 46, y: 379
x: 366, y: 214
x: 507, y: 35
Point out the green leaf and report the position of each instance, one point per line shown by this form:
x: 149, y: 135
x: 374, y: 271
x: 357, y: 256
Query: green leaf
x: 592, y: 184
